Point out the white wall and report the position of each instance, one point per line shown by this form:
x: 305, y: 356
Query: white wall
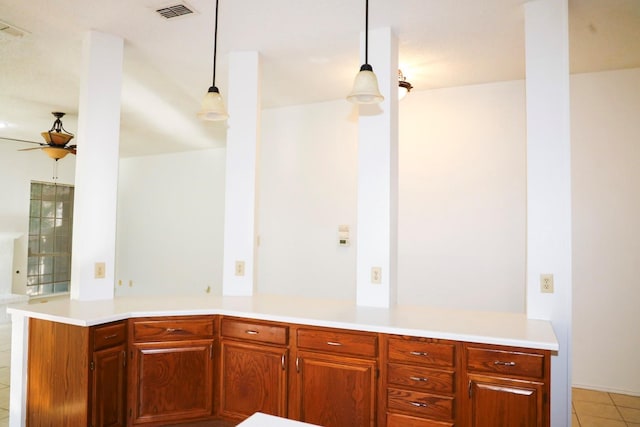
x: 307, y: 188
x: 17, y: 170
x: 462, y: 200
x: 605, y: 112
x: 170, y: 223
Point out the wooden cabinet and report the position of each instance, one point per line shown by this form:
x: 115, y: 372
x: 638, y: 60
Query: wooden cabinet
x: 76, y: 375
x: 108, y: 379
x: 171, y: 369
x: 507, y: 386
x: 336, y: 377
x: 420, y: 382
x: 253, y: 368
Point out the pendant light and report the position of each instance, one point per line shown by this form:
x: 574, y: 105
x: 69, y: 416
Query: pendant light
x: 213, y: 108
x: 365, y: 86
x: 404, y: 87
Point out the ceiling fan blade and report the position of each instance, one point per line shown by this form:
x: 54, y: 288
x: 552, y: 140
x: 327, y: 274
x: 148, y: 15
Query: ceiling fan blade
x: 22, y: 140
x: 29, y: 149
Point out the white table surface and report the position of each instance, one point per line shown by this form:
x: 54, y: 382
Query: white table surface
x: 510, y: 329
x: 263, y: 420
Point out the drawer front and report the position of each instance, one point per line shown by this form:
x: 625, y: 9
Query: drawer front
x: 109, y: 335
x: 421, y: 352
x: 420, y: 404
x: 401, y: 420
x: 252, y: 331
x: 505, y: 362
x: 357, y: 344
x: 420, y: 378
x: 172, y: 329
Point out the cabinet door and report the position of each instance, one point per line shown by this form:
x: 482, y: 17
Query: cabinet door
x: 500, y: 402
x: 171, y: 380
x: 108, y: 387
x: 253, y: 379
x: 335, y: 391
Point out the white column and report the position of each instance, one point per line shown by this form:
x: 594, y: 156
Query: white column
x: 549, y: 185
x: 378, y: 177
x: 19, y: 352
x: 96, y: 182
x: 238, y: 274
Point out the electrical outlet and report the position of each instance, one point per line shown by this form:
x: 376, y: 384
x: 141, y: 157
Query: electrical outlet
x: 546, y: 283
x: 239, y: 268
x: 99, y: 270
x: 376, y: 275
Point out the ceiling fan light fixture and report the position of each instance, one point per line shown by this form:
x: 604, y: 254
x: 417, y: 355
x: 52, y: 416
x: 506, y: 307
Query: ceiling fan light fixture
x: 55, y: 153
x: 404, y: 87
x: 365, y: 85
x: 212, y: 107
x: 57, y: 135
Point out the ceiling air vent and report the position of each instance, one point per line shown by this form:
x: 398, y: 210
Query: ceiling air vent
x: 174, y: 11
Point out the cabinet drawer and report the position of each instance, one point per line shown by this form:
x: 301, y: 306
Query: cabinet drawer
x: 505, y: 362
x: 400, y: 420
x: 109, y: 335
x: 420, y: 378
x: 422, y: 352
x: 252, y: 331
x: 358, y: 344
x: 420, y: 404
x: 172, y: 329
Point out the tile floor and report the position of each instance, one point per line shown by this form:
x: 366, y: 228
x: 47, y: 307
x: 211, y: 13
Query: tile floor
x: 590, y: 408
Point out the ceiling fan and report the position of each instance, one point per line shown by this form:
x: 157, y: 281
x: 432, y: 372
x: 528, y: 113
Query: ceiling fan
x: 56, y: 139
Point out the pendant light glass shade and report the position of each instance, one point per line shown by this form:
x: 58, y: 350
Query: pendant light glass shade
x: 213, y: 106
x: 365, y: 87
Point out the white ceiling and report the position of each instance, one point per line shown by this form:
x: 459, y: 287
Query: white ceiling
x: 309, y: 51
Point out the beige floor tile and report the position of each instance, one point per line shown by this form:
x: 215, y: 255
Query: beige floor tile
x: 630, y: 414
x: 582, y: 395
x: 589, y: 421
x: 4, y: 398
x: 574, y: 421
x: 599, y: 410
x: 5, y: 376
x: 626, y: 400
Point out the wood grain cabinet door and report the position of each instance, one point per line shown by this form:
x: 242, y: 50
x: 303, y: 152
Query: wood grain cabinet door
x: 336, y: 391
x: 171, y: 381
x: 108, y: 387
x: 253, y: 379
x: 501, y: 402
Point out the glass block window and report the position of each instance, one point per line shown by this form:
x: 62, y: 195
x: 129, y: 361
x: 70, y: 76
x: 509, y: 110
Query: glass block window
x: 50, y: 232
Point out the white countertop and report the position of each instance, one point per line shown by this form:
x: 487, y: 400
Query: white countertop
x: 511, y: 329
x: 263, y: 420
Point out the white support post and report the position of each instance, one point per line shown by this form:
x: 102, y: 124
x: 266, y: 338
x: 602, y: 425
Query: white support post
x: 96, y: 182
x: 378, y: 178
x: 549, y: 185
x: 238, y: 275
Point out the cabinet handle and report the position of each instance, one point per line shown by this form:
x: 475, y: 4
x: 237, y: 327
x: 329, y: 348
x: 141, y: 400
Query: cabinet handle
x: 174, y: 330
x: 499, y: 363
x: 110, y: 337
x: 297, y: 364
x: 282, y: 360
x: 251, y: 332
x: 420, y: 379
x: 418, y: 404
x: 419, y: 353
x: 333, y: 343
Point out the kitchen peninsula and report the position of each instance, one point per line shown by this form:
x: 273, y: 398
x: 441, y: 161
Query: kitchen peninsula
x: 161, y: 359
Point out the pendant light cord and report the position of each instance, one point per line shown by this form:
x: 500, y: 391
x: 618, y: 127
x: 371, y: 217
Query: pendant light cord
x: 366, y: 32
x: 215, y: 45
